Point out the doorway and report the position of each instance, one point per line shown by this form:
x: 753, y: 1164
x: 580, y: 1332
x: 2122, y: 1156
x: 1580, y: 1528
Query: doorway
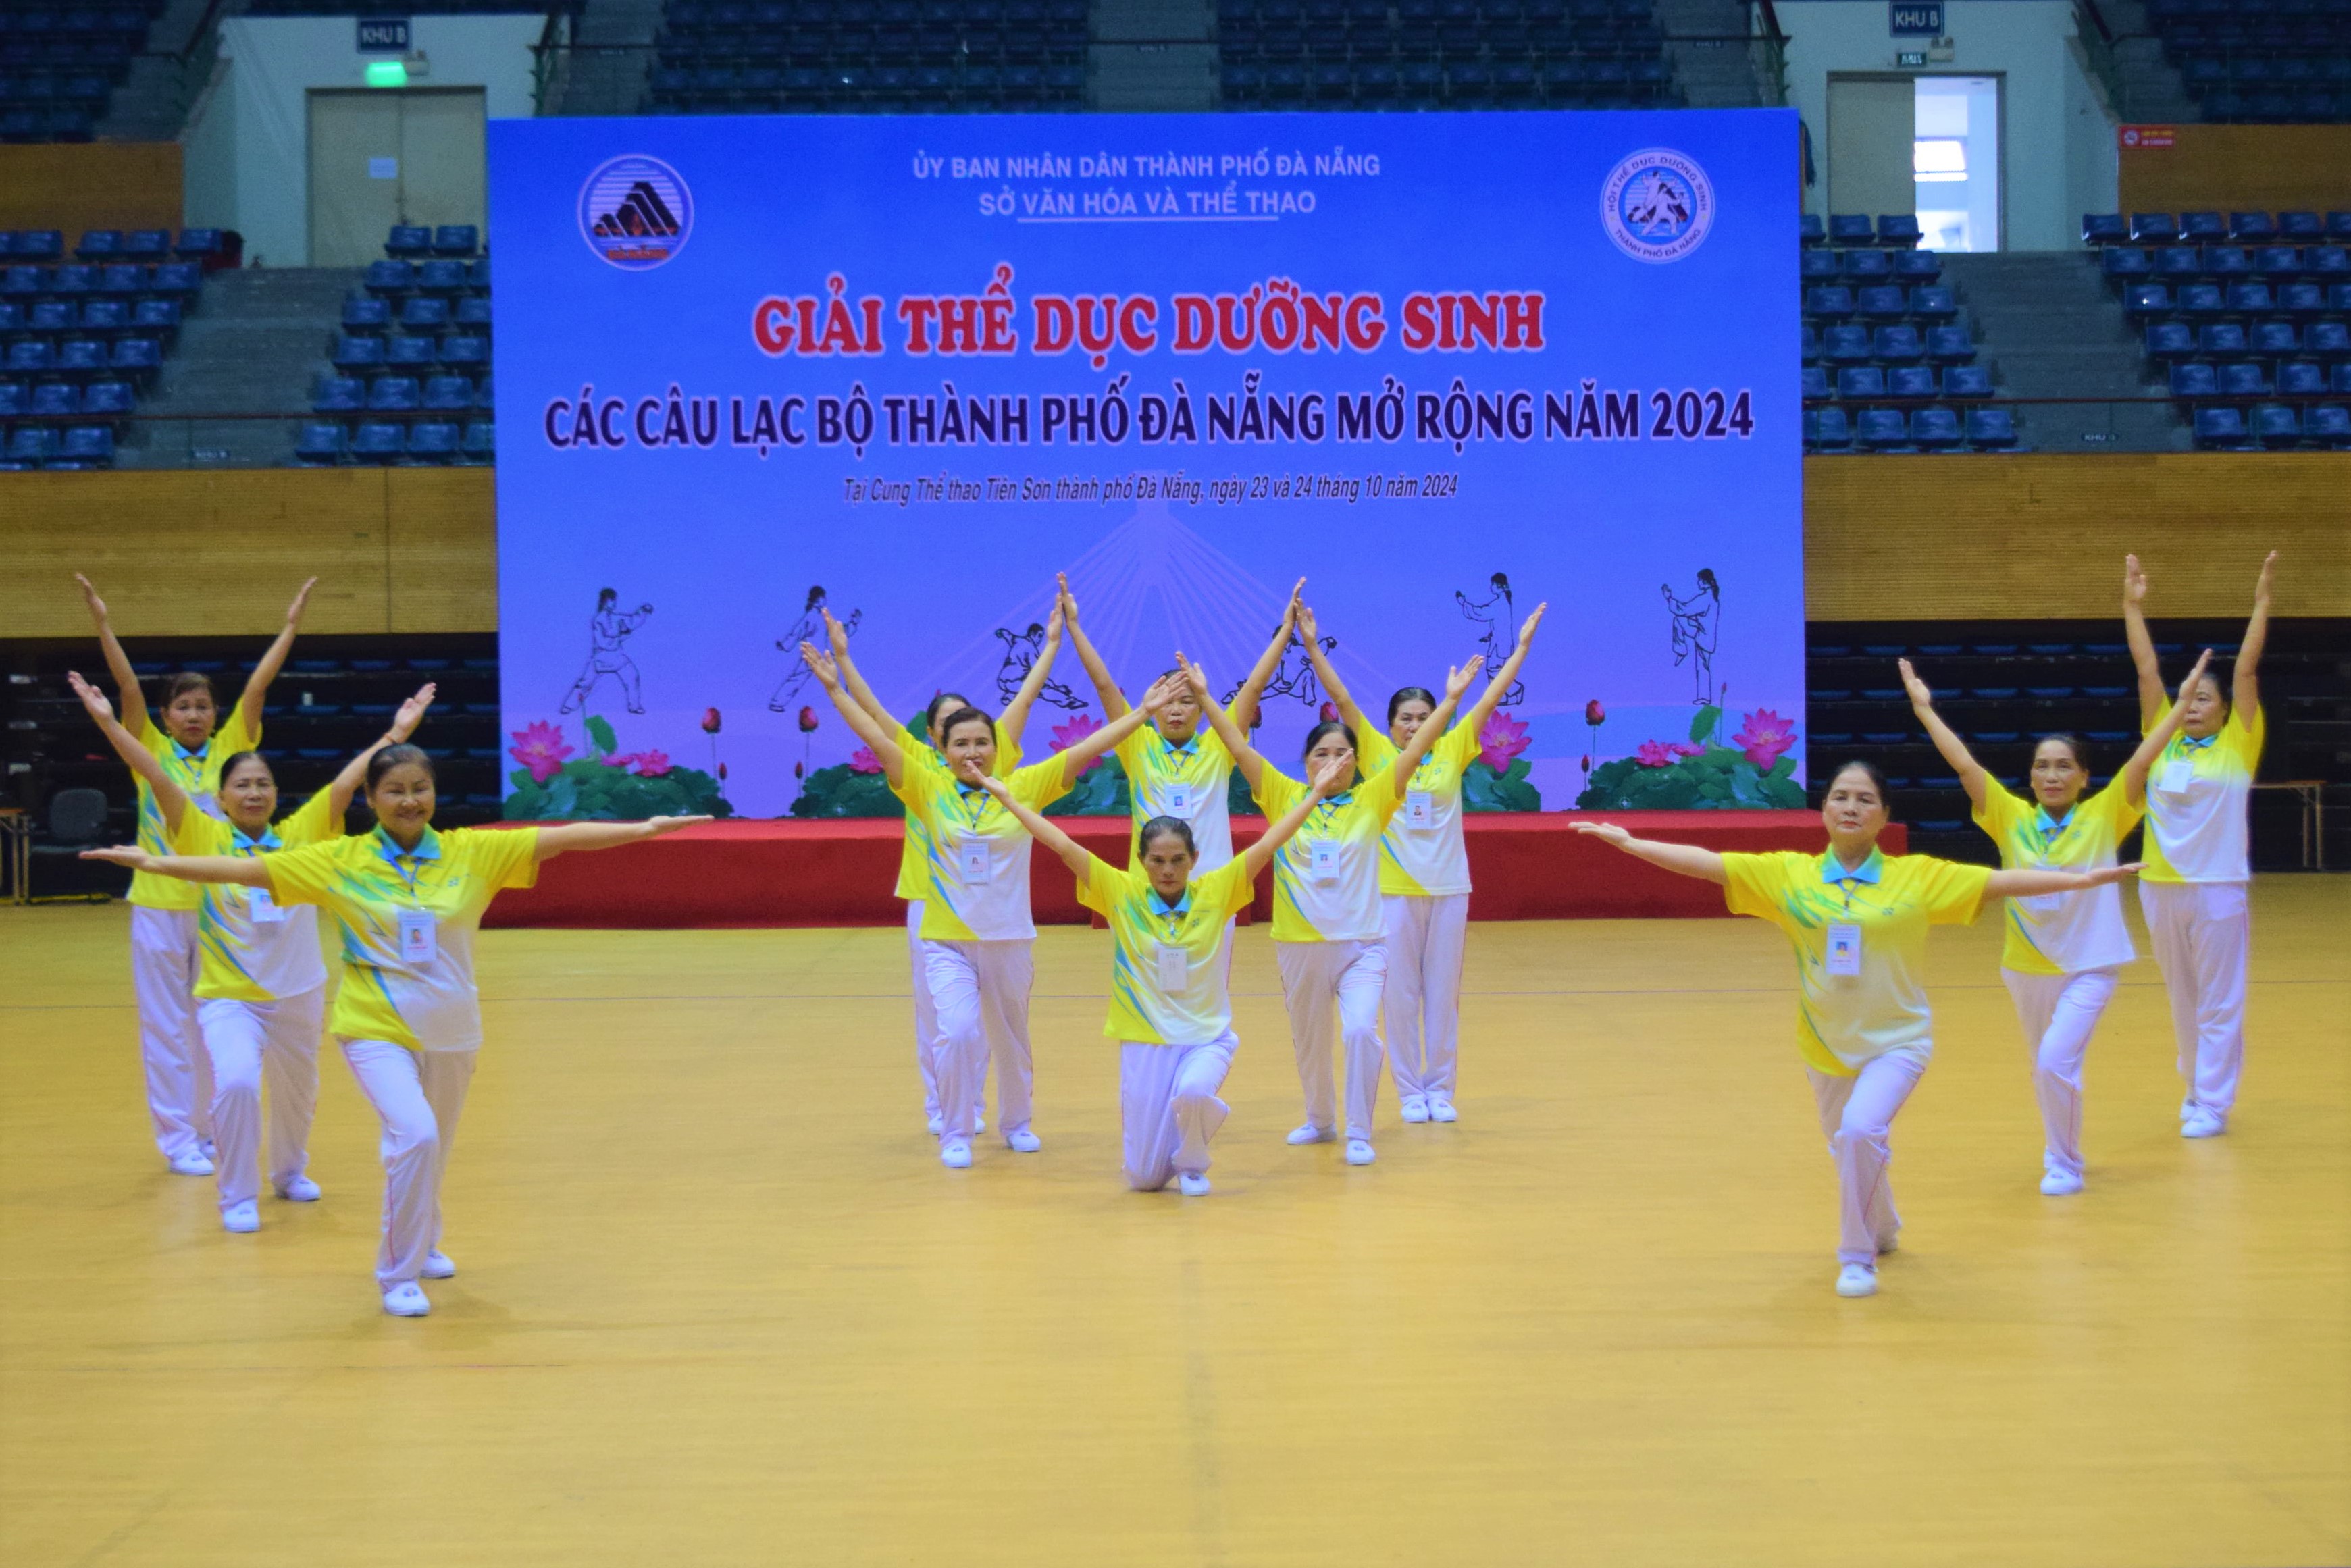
x: 382, y: 156
x: 1955, y: 162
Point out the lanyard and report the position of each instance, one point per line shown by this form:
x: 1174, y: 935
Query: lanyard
x: 980, y: 801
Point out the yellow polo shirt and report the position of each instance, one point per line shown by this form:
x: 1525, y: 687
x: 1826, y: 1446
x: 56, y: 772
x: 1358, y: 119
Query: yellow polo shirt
x: 2061, y: 932
x: 2198, y: 795
x: 915, y: 853
x: 1142, y: 1009
x: 198, y: 773
x: 1326, y: 882
x: 248, y: 947
x: 1190, y: 782
x: 975, y: 862
x: 1422, y: 854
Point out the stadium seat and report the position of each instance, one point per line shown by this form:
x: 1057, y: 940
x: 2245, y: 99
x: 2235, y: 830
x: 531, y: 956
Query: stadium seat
x: 137, y: 359
x: 1967, y: 381
x: 424, y: 314
x: 1833, y: 304
x: 1883, y: 302
x: 2244, y: 377
x: 2221, y: 427
x: 1863, y: 268
x: 2193, y: 379
x: 2125, y: 264
x: 2202, y: 228
x: 1809, y: 230
x: 2147, y: 300
x: 1899, y: 229
x: 2221, y: 338
x: 2251, y: 299
x: 2328, y: 339
x: 2276, y: 425
x: 414, y: 354
x: 1813, y: 383
x: 1911, y: 381
x: 99, y: 245
x: 378, y: 443
x: 1936, y: 429
x: 448, y: 394
x: 2178, y: 263
x: 1808, y: 341
x: 352, y: 354
x: 431, y: 441
x: 389, y: 278
x: 2299, y: 226
x: 366, y: 316
x: 2304, y: 299
x: 408, y: 241
x: 2153, y: 228
x: 1916, y: 266
x: 2302, y: 379
x: 2104, y: 229
x: 440, y: 275
x: 1827, y: 430
x: 2328, y: 426
x: 1845, y: 345
x: 85, y: 446
x: 1934, y: 303
x: 1817, y: 267
x: 1950, y: 346
x: 480, y: 444
x: 14, y: 398
x: 198, y: 244
x: 2276, y: 339
x: 2170, y: 340
x: 319, y: 444
x: 1897, y: 345
x: 392, y: 394
x: 2199, y: 299
x: 183, y: 278
x: 1860, y: 382
x: 2251, y: 228
x: 457, y: 240
x: 1882, y: 430
x: 472, y: 314
x: 1851, y: 229
x: 465, y: 353
x: 107, y: 399
x: 55, y: 400
x: 30, y: 446
x: 2277, y: 264
x: 155, y: 317
x: 338, y: 394
x: 49, y: 244
x: 2327, y: 263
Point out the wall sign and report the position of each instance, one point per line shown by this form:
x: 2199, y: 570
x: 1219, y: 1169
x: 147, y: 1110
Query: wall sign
x: 1914, y: 21
x: 389, y: 34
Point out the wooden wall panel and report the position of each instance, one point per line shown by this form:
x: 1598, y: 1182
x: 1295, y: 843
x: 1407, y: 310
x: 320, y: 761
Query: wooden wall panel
x: 2221, y: 168
x: 443, y: 555
x: 83, y: 185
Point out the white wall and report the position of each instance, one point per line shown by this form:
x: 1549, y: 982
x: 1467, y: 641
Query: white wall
x: 2058, y: 143
x: 248, y: 146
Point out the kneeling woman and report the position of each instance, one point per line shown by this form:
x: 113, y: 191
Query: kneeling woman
x: 1326, y: 905
x: 2061, y: 953
x: 408, y: 900
x: 261, y: 989
x: 979, y: 939
x: 1170, y: 1009
x: 1858, y: 922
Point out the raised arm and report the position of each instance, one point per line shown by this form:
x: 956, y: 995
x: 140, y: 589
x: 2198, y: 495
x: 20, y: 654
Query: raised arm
x: 1972, y: 777
x: 1507, y: 676
x: 2142, y: 646
x: 1078, y: 757
x: 273, y: 659
x: 2134, y: 771
x: 1333, y: 686
x: 1106, y: 691
x: 118, y: 663
x: 2246, y: 690
x: 1245, y: 756
x: 852, y: 680
x: 1075, y: 855
x: 1245, y: 701
x: 403, y: 725
x: 567, y: 836
x: 1015, y: 720
x: 1329, y: 781
x: 881, y: 735
x: 1682, y: 859
x: 247, y: 869
x: 170, y: 798
x: 2032, y: 884
x: 1456, y: 680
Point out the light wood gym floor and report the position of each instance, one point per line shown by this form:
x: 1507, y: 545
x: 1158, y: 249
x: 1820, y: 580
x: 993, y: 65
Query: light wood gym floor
x: 720, y: 1305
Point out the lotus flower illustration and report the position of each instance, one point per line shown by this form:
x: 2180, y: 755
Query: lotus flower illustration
x: 863, y: 760
x: 807, y: 719
x: 1074, y: 729
x: 1653, y: 754
x: 710, y: 721
x: 540, y: 749
x: 1763, y: 736
x: 649, y: 764
x: 1499, y: 743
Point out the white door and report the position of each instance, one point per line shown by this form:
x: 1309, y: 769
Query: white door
x: 1870, y: 135
x: 381, y: 157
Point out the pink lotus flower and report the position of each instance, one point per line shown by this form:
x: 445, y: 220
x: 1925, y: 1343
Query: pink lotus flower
x: 863, y: 760
x: 618, y: 759
x: 1763, y: 736
x: 651, y: 764
x: 1656, y: 754
x: 1499, y: 743
x: 540, y: 749
x: 1684, y: 749
x: 1074, y: 729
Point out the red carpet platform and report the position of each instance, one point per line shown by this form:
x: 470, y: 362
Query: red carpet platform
x: 1529, y: 866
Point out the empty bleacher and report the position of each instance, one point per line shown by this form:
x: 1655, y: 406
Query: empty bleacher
x: 2245, y: 317
x: 59, y: 64
x: 2260, y: 60
x: 410, y: 364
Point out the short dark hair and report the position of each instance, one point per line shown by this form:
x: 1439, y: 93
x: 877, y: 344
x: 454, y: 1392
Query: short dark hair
x: 2072, y: 742
x: 940, y: 700
x: 1408, y: 694
x: 1877, y: 778
x: 966, y: 715
x: 2219, y: 689
x: 393, y: 757
x: 1314, y: 737
x: 238, y: 758
x: 1166, y: 827
x: 188, y: 681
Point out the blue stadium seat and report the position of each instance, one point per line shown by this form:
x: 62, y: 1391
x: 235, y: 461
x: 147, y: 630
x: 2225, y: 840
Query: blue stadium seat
x: 1809, y: 343
x: 30, y: 356
x: 55, y: 400
x: 354, y: 354
x: 14, y: 397
x: 1882, y: 430
x: 1817, y: 267
x: 472, y: 314
x: 49, y: 244
x: 1936, y: 429
x: 408, y: 241
x: 2153, y: 228
x: 2276, y: 339
x: 378, y: 443
x: 460, y: 352
x: 1810, y: 229
x: 1852, y: 228
x: 2244, y: 377
x: 122, y: 279
x: 367, y: 315
x: 2304, y: 300
x: 1912, y: 381
x: 86, y: 446
x: 99, y: 245
x: 1967, y: 381
x: 477, y: 274
x: 338, y: 394
x: 1845, y: 345
x: 408, y: 353
x: 1934, y: 303
x: 1899, y: 229
x: 198, y: 244
x: 448, y: 394
x: 2200, y: 299
x: 319, y: 444
x: 1827, y: 430
x: 481, y: 395
x: 81, y: 357
x: 2104, y: 229
x: 31, y: 445
x: 73, y: 278
x: 2193, y: 379
x: 1863, y: 268
x: 480, y: 444
x: 105, y: 316
x: 2222, y: 426
x: 107, y: 399
x: 1897, y: 345
x: 422, y: 314
x: 2299, y: 226
x: 1829, y: 304
x: 458, y: 240
x: 2278, y: 263
x: 389, y: 278
x: 1950, y: 346
x: 2227, y: 263
x: 1861, y: 381
x: 155, y: 317
x: 2125, y: 264
x: 2276, y: 425
x: 51, y: 316
x: 431, y: 441
x: 2328, y: 339
x: 2221, y: 338
x: 2202, y: 228
x: 1883, y: 302
x: 2251, y: 228
x: 441, y: 276
x: 2327, y: 263
x: 1813, y: 383
x: 2302, y: 379
x: 392, y: 394
x: 1912, y: 268
x: 2328, y: 426
x: 2170, y: 341
x: 182, y: 278
x: 2251, y: 299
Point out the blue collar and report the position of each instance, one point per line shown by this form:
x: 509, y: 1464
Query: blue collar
x: 1835, y: 869
x: 1191, y: 746
x: 1181, y: 906
x: 428, y: 848
x: 1346, y: 798
x: 268, y: 839
x: 184, y: 755
x: 2050, y: 826
x: 2190, y: 743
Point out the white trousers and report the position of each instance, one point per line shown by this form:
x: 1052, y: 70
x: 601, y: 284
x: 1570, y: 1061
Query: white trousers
x: 979, y: 991
x: 1422, y: 1004
x: 248, y: 1042
x: 1168, y: 1106
x: 417, y: 1094
x: 1857, y: 1114
x: 179, y: 1072
x: 1321, y: 982
x: 2203, y: 934
x: 2060, y: 1012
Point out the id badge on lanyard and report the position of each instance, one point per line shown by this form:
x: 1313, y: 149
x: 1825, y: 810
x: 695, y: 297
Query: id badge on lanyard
x: 262, y: 909
x: 2176, y: 775
x: 1323, y: 861
x: 1174, y: 967
x: 419, y: 936
x: 1419, y: 808
x: 972, y: 860
x: 1180, y: 800
x: 1843, y: 957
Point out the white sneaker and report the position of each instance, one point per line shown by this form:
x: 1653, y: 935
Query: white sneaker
x: 1413, y: 1109
x: 302, y: 1189
x: 243, y: 1219
x: 1311, y: 1134
x: 406, y: 1300
x: 936, y: 1125
x: 1360, y: 1152
x: 1440, y: 1109
x: 2204, y: 1123
x: 439, y: 1265
x: 2060, y: 1184
x: 1857, y: 1279
x: 978, y: 1126
x: 1192, y: 1184
x: 956, y: 1155
x: 191, y: 1164
x: 1023, y: 1142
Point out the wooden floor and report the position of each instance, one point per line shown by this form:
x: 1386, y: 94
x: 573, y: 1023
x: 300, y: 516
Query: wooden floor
x: 720, y: 1305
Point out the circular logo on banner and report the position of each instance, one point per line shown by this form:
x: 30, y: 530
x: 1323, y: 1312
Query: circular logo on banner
x: 635, y: 213
x: 1657, y: 206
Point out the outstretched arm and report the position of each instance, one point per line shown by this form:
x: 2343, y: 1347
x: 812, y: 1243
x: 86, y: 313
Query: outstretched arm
x: 2032, y: 884
x: 1682, y: 859
x: 852, y: 680
x: 1333, y: 686
x: 1245, y: 756
x: 881, y: 735
x: 257, y: 685
x: 248, y: 870
x: 1106, y: 691
x: 1972, y: 777
x: 1456, y: 680
x: 1078, y: 757
x: 1333, y: 778
x: 118, y: 663
x: 403, y: 725
x: 565, y: 836
x: 2142, y: 646
x: 1076, y: 856
x: 1245, y: 701
x: 170, y: 798
x: 2245, y: 692
x: 1015, y: 721
x: 2134, y: 771
x: 1507, y: 676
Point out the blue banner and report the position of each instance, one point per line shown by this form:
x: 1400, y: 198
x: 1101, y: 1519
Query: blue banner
x: 1443, y: 367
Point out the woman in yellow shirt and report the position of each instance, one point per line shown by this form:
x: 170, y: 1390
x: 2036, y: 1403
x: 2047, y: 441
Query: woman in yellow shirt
x: 193, y: 744
x: 1424, y: 875
x: 408, y: 900
x: 2061, y: 952
x: 913, y: 851
x: 978, y: 937
x: 1326, y: 905
x: 1171, y: 1008
x: 2198, y: 847
x: 261, y: 991
x: 1858, y: 923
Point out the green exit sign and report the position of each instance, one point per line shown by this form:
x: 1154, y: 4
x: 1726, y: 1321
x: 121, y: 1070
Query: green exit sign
x: 1909, y: 58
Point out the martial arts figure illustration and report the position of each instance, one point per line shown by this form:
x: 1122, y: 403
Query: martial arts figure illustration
x: 1020, y: 650
x: 1494, y: 613
x: 606, y: 633
x: 1698, y: 631
x: 808, y: 627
